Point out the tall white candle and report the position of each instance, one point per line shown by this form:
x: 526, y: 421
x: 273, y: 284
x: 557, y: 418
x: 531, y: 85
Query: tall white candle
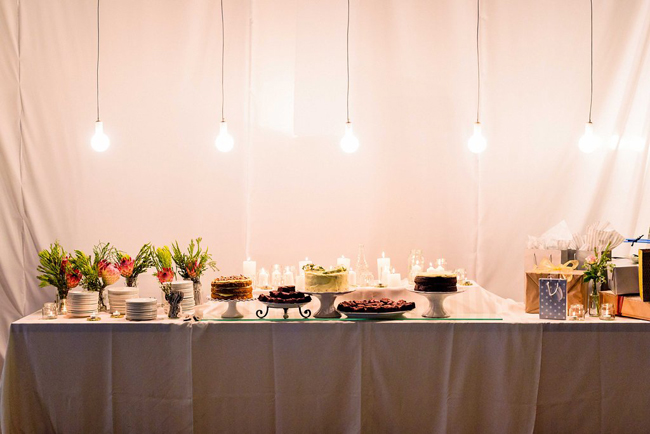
x: 300, y: 283
x: 287, y: 277
x: 385, y: 272
x: 394, y: 280
x: 302, y: 264
x: 263, y: 278
x: 352, y: 277
x: 381, y: 263
x: 250, y: 268
x: 344, y: 261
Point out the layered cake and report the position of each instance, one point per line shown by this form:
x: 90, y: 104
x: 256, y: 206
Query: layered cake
x: 644, y: 274
x: 285, y: 294
x: 436, y: 282
x: 232, y: 288
x: 318, y: 279
x: 384, y: 305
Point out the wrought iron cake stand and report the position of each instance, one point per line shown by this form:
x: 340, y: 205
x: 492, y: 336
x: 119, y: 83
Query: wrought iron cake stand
x: 261, y: 313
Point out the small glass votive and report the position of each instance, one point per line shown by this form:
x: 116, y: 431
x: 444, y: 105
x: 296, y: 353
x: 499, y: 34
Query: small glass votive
x: 607, y: 312
x: 576, y: 312
x: 49, y: 311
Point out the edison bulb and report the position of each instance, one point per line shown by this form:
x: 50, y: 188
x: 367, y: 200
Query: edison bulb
x: 349, y: 143
x: 477, y: 143
x: 589, y: 141
x: 100, y: 141
x: 224, y: 141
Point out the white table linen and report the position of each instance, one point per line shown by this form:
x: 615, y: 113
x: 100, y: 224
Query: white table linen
x: 515, y: 375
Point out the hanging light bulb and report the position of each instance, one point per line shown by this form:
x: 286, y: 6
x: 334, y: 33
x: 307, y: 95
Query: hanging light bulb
x: 477, y: 143
x: 224, y: 141
x: 100, y: 141
x: 589, y: 141
x: 349, y: 143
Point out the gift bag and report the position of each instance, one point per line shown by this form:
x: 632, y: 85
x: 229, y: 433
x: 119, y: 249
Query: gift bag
x: 552, y: 298
x: 576, y: 290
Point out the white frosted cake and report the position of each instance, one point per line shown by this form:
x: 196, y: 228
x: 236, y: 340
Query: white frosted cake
x: 318, y: 279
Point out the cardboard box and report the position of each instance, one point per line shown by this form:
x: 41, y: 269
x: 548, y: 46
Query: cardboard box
x: 577, y: 289
x: 630, y: 306
x: 624, y: 278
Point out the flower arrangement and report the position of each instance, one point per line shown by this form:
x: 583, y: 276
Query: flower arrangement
x: 596, y: 267
x: 194, y: 263
x: 131, y: 268
x: 162, y: 261
x: 97, y: 271
x: 57, y: 270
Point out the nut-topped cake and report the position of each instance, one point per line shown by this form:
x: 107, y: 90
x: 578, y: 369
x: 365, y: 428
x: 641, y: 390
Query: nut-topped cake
x: 318, y: 279
x: 436, y: 282
x: 232, y: 288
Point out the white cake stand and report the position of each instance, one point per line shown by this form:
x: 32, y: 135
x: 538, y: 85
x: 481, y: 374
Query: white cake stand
x: 232, y: 311
x: 436, y: 302
x: 327, y: 299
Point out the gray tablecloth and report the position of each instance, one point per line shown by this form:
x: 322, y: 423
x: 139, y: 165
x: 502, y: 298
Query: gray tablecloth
x: 511, y: 376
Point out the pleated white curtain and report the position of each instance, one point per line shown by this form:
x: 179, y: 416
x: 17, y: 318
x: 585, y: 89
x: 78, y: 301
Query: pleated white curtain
x: 287, y: 191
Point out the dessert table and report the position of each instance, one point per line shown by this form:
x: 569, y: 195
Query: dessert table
x: 489, y: 368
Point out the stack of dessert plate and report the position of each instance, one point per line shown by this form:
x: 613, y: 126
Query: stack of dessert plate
x: 117, y: 297
x: 141, y: 309
x: 187, y: 288
x: 82, y: 303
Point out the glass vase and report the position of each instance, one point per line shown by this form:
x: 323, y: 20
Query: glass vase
x: 132, y: 281
x: 61, y: 304
x: 364, y: 275
x: 198, y: 294
x: 594, y: 298
x: 101, y: 302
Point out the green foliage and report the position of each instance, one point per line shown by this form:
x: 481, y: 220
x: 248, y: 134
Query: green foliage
x: 195, y: 262
x: 51, y: 268
x: 89, y: 265
x: 161, y: 257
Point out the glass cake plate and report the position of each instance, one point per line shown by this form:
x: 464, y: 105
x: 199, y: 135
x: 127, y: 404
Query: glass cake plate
x: 375, y: 315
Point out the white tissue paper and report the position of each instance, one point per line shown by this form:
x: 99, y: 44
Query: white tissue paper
x: 597, y: 236
x: 558, y: 237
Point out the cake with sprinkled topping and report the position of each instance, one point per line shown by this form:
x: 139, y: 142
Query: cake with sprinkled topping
x: 232, y: 288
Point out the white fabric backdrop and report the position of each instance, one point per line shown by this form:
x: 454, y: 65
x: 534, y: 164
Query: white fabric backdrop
x: 287, y: 190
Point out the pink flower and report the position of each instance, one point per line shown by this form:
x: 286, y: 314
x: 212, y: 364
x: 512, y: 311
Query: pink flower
x: 102, y: 266
x: 591, y: 259
x: 165, y: 275
x: 126, y: 266
x: 110, y: 274
x: 72, y: 278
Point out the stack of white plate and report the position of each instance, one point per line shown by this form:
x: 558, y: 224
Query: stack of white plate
x: 187, y: 288
x: 141, y: 309
x: 82, y: 303
x: 117, y: 297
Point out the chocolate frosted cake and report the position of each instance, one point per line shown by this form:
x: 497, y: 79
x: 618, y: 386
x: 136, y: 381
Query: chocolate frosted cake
x: 436, y: 282
x: 232, y: 288
x: 285, y: 294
